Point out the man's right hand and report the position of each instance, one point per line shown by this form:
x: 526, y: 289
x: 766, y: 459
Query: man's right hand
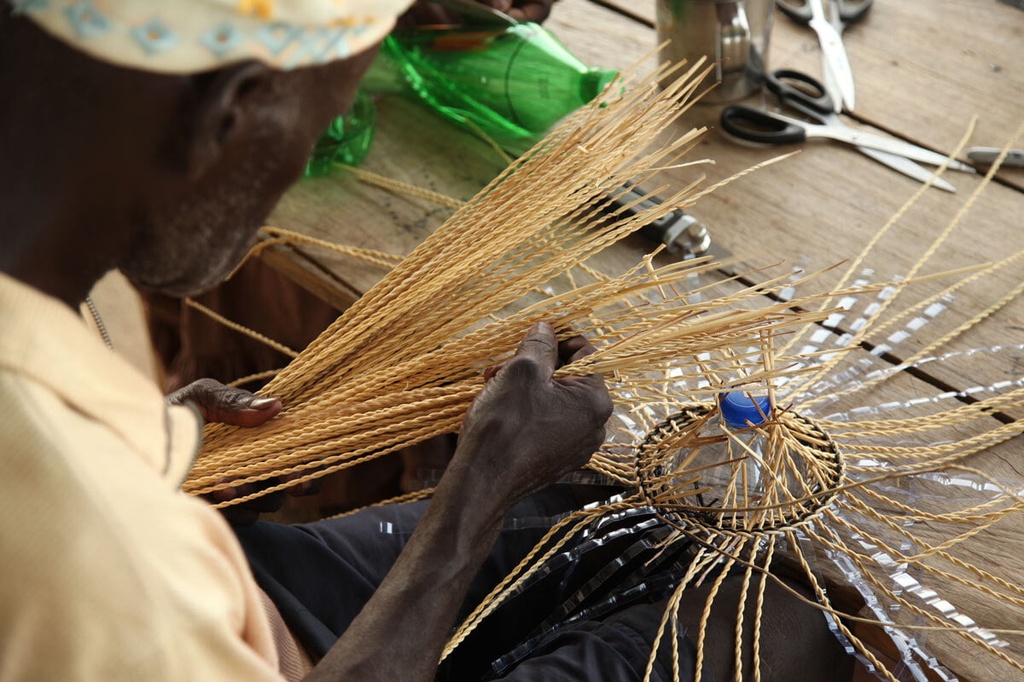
x: 523, y: 431
x: 526, y: 429
x: 427, y: 13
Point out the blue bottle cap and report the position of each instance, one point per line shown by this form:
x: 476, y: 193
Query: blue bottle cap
x: 741, y: 410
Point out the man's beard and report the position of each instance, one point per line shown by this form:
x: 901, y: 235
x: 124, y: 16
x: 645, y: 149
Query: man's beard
x: 188, y: 249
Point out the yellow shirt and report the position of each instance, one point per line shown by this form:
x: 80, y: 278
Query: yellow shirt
x: 107, y: 571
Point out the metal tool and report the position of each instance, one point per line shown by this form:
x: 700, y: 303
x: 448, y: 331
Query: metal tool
x: 986, y: 156
x: 808, y: 96
x: 836, y: 72
x: 765, y: 127
x: 680, y: 232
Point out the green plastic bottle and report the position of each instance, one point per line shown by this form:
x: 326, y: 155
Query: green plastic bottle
x: 348, y: 138
x: 511, y: 84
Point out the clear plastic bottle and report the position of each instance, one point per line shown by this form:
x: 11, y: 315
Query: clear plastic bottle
x: 729, y: 460
x: 740, y: 414
x: 511, y: 84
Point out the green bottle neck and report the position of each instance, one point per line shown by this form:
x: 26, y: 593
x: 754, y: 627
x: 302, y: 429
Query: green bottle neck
x: 594, y: 81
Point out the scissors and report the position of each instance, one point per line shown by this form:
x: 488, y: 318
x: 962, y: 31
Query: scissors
x: 986, y: 156
x: 805, y: 94
x: 836, y: 71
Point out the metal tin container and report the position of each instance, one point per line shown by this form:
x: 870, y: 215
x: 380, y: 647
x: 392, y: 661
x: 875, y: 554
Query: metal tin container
x: 733, y: 34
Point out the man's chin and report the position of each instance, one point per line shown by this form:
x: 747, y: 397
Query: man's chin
x: 179, y: 287
x: 191, y: 277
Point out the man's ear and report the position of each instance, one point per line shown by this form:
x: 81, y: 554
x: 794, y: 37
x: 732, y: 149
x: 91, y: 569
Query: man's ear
x: 226, y: 110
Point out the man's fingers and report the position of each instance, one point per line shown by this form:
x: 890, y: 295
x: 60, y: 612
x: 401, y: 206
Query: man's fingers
x: 492, y: 371
x: 260, y: 411
x: 574, y: 348
x: 577, y: 348
x: 301, y: 488
x: 541, y: 345
x: 536, y: 12
x: 226, y: 404
x: 591, y: 387
x: 538, y: 344
x: 500, y: 5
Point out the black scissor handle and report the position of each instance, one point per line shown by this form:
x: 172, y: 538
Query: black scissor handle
x: 754, y: 125
x: 800, y: 91
x: 797, y: 10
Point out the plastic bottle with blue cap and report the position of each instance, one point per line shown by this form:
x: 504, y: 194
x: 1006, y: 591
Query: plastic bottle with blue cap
x: 730, y: 457
x: 740, y: 410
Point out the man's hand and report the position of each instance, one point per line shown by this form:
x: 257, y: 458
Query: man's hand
x: 223, y: 404
x: 526, y: 428
x: 523, y: 431
x: 427, y: 13
x: 523, y: 10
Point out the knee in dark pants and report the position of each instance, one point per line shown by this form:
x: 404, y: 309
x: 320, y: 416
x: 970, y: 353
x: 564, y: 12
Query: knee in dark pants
x: 796, y: 642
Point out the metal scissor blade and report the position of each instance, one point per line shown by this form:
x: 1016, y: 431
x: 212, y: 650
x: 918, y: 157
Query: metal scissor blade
x: 885, y: 144
x: 832, y: 89
x: 902, y: 164
x: 988, y: 155
x: 828, y: 78
x: 834, y: 56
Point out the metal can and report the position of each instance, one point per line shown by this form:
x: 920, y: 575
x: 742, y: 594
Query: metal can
x: 732, y: 34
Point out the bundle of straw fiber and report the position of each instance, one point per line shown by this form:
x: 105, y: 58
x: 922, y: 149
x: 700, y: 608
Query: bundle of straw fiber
x: 403, y: 363
x: 870, y: 501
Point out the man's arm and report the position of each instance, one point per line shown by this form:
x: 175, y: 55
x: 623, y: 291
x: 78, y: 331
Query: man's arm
x: 523, y: 431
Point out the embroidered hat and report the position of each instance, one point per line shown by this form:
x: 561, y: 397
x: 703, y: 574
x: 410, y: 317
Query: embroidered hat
x: 186, y: 36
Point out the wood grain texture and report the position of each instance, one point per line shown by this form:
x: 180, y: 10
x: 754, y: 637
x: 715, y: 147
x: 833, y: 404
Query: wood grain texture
x: 923, y: 68
x: 825, y: 204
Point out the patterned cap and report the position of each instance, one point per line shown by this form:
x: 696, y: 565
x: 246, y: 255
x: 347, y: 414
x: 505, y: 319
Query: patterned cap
x: 186, y: 36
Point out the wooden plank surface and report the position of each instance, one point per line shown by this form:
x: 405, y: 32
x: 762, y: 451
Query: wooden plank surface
x: 813, y: 211
x: 601, y: 37
x: 416, y: 147
x: 827, y: 203
x: 996, y: 549
x: 923, y: 69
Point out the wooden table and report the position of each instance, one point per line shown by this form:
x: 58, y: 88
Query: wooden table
x: 923, y: 69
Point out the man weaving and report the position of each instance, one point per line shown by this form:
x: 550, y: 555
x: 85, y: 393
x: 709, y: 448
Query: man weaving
x: 155, y: 137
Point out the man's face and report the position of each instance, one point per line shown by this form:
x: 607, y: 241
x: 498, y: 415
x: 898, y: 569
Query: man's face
x: 189, y: 237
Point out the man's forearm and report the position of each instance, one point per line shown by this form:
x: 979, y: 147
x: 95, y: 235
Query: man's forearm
x: 524, y: 430
x: 401, y: 631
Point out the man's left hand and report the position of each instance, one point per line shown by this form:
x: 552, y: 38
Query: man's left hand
x: 223, y: 404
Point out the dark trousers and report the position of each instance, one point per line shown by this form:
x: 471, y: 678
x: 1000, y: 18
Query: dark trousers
x: 321, y: 574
